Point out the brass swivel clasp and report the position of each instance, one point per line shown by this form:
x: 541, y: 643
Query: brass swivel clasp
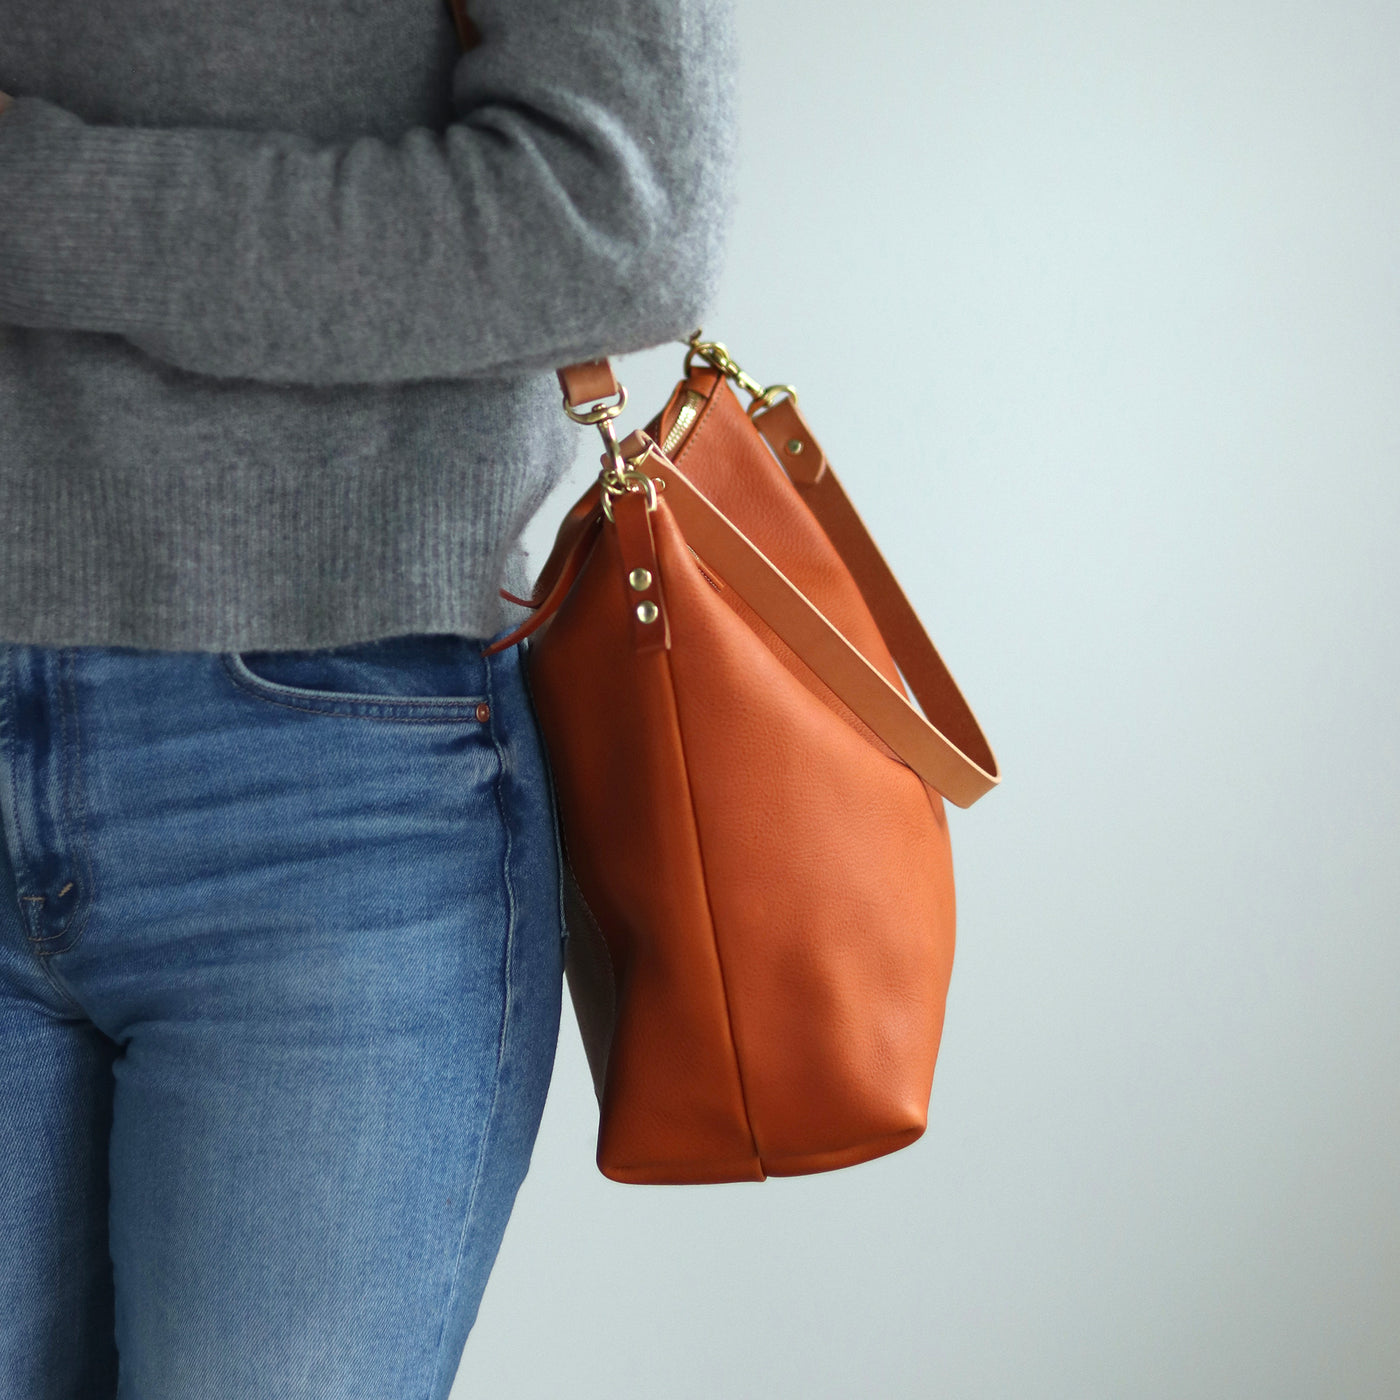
x: 601, y: 415
x: 616, y: 484
x: 616, y: 474
x: 619, y: 475
x: 717, y: 354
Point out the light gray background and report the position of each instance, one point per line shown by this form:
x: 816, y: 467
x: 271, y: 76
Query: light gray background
x: 1094, y: 306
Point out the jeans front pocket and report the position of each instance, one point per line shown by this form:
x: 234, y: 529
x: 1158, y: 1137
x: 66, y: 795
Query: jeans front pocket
x: 429, y: 676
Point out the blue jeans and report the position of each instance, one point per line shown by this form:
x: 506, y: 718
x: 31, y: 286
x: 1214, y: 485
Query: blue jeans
x: 281, y: 957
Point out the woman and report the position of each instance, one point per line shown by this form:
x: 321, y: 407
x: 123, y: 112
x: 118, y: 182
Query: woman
x: 281, y: 294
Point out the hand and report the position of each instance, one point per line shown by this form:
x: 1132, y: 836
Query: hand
x: 5, y: 100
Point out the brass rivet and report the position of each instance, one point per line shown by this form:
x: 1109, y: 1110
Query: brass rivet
x: 647, y: 612
x: 640, y: 579
x: 794, y: 445
x: 483, y: 712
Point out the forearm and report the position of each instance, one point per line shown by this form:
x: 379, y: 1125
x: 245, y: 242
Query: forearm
x: 575, y: 206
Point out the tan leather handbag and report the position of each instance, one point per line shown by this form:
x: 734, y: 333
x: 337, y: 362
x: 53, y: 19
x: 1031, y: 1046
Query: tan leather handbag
x: 759, y: 887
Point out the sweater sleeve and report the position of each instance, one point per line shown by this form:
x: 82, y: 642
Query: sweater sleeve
x: 575, y: 206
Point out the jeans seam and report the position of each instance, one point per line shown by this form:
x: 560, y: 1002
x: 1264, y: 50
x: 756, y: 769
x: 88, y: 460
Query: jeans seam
x: 8, y: 738
x: 73, y: 782
x: 479, y: 1166
x: 552, y: 795
x: 461, y: 707
x: 76, y: 852
x: 60, y: 987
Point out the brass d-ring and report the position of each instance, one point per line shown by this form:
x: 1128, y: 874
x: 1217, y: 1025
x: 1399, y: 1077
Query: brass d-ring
x: 600, y: 410
x: 628, y: 473
x: 766, y: 398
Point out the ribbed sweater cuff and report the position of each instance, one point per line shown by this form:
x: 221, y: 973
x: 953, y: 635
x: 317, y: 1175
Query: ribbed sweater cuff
x: 80, y: 219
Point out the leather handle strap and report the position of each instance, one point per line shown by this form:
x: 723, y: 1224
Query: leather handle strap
x: 797, y: 449
x: 939, y: 755
x: 589, y: 381
x: 910, y: 645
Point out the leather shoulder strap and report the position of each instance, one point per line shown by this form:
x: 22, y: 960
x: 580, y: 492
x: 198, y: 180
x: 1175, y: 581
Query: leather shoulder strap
x: 947, y: 750
x: 801, y: 455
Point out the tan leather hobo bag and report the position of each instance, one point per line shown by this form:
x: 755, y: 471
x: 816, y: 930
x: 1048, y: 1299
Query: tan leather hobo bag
x: 759, y: 882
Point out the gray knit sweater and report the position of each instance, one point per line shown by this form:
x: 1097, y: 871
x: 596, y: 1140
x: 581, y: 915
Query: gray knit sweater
x: 283, y: 284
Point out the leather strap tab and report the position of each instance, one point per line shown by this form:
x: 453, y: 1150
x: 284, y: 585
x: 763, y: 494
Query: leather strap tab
x: 637, y: 548
x: 785, y: 430
x: 588, y: 382
x: 633, y: 445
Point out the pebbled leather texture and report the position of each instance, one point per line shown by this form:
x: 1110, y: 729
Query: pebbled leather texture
x: 761, y: 900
